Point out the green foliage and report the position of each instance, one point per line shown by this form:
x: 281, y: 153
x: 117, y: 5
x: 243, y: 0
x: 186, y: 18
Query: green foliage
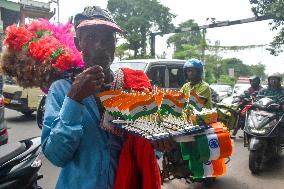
x: 232, y: 48
x: 225, y: 79
x: 258, y: 69
x: 274, y: 9
x: 188, y: 51
x: 210, y: 77
x: 185, y: 38
x: 121, y: 51
x: 138, y: 18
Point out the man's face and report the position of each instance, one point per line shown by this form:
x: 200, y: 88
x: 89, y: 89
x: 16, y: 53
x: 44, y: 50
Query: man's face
x: 254, y: 83
x: 191, y: 74
x: 274, y: 82
x: 97, y: 45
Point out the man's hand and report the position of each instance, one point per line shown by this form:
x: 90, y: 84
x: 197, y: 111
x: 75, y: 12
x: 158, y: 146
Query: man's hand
x: 164, y: 145
x: 87, y: 83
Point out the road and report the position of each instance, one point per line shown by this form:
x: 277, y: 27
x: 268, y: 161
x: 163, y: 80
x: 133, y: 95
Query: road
x: 237, y: 177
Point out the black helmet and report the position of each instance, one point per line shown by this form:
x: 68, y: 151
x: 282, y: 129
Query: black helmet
x: 254, y: 79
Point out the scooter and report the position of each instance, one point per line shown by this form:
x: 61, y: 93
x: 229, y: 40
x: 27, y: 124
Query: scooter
x: 263, y: 133
x: 19, y: 164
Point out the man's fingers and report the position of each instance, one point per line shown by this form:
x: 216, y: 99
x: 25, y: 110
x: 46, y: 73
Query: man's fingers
x: 93, y: 69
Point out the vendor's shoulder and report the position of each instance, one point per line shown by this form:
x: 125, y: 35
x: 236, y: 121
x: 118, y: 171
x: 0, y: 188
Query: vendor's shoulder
x: 61, y: 85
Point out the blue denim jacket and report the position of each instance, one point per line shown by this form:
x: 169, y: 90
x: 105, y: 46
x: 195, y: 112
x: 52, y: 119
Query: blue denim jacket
x: 72, y: 139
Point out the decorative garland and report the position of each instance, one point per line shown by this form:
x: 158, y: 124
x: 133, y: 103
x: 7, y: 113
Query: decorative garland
x: 39, y: 53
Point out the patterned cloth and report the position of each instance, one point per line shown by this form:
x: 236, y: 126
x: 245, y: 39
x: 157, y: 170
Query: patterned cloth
x: 275, y: 94
x: 202, y: 89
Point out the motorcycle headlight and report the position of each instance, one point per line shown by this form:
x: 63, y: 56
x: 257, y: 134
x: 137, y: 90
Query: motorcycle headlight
x: 250, y: 122
x: 37, y: 162
x: 264, y: 130
x: 258, y: 131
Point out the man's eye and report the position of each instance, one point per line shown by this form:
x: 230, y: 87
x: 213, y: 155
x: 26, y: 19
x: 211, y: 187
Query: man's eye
x: 91, y: 37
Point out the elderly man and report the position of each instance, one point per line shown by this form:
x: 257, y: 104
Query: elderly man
x: 71, y: 136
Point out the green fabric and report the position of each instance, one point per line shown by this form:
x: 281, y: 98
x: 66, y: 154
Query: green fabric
x: 166, y: 109
x: 196, y: 168
x: 202, y: 148
x: 201, y: 89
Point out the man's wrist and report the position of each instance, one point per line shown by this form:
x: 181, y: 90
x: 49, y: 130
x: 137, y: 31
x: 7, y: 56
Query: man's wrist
x: 74, y: 96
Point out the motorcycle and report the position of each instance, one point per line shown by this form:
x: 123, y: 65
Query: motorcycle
x: 19, y: 164
x: 40, y: 112
x: 244, y: 103
x: 234, y: 115
x: 263, y: 133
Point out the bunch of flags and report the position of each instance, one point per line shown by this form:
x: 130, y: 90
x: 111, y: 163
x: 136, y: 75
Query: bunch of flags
x: 134, y: 104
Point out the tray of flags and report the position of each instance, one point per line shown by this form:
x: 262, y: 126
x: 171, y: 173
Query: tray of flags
x: 156, y: 130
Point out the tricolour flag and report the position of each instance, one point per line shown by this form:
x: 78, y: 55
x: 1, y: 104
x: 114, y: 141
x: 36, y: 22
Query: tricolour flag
x: 196, y: 101
x: 141, y: 106
x: 213, y: 146
x: 172, y: 105
x: 207, y: 169
x: 105, y: 95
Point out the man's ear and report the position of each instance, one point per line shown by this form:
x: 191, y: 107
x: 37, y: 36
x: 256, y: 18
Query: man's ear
x: 77, y: 44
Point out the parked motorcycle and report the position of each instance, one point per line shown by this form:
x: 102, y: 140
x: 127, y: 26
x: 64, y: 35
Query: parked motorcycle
x: 40, y: 112
x: 19, y: 164
x: 263, y: 133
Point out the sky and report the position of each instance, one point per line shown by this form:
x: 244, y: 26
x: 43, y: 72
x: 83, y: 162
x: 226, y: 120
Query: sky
x: 223, y: 10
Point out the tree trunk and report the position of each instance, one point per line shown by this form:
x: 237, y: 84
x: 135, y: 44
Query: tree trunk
x: 143, y: 42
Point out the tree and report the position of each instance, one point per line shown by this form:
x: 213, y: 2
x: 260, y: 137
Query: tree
x: 185, y: 38
x: 258, y: 69
x: 138, y: 18
x: 120, y: 51
x: 225, y: 79
x: 274, y: 9
x: 188, y: 51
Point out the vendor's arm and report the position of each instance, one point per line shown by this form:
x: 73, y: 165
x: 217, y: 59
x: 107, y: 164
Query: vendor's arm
x: 62, y: 130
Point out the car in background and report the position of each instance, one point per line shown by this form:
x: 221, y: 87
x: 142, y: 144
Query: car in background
x: 238, y: 90
x: 165, y: 73
x: 3, y: 126
x: 223, y: 91
x: 17, y: 98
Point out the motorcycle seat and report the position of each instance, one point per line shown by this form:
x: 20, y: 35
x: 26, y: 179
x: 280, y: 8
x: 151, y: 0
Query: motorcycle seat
x: 9, y: 151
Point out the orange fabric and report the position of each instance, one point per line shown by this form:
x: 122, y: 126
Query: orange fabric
x: 219, y: 167
x: 225, y: 144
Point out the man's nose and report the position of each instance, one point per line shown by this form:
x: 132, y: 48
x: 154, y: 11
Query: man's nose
x: 99, y: 44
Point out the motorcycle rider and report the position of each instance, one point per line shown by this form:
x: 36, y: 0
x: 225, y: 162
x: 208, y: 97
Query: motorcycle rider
x: 255, y: 85
x: 252, y: 91
x: 193, y: 71
x: 274, y: 89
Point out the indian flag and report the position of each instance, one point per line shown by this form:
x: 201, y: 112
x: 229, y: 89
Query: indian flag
x: 213, y: 146
x: 172, y: 105
x: 111, y: 104
x: 196, y: 101
x: 142, y: 107
x: 207, y: 169
x: 105, y: 95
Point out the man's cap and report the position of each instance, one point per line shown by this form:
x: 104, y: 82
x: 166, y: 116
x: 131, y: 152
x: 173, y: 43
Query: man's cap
x: 94, y: 16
